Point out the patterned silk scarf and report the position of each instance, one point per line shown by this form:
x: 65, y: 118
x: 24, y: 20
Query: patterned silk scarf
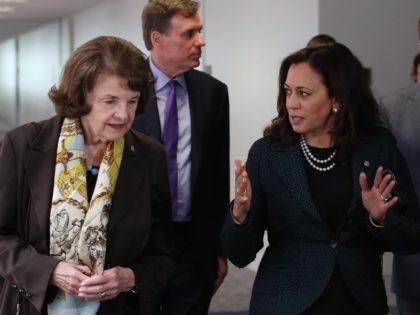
x: 77, y: 227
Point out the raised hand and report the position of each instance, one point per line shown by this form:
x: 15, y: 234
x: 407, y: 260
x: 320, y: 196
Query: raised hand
x: 243, y: 191
x: 378, y: 199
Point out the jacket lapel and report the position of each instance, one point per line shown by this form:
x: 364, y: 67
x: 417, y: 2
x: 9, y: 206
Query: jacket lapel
x: 197, y: 112
x: 131, y: 176
x: 364, y: 159
x: 289, y: 166
x: 149, y: 121
x: 40, y: 165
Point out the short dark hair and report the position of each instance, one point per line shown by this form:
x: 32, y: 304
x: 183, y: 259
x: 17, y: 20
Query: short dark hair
x: 321, y: 40
x: 343, y: 75
x: 101, y: 55
x: 157, y: 16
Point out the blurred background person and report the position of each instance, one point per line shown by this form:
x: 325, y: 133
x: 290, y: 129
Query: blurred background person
x: 402, y: 114
x: 190, y: 116
x: 316, y: 183
x: 78, y: 190
x: 416, y: 69
x: 321, y: 40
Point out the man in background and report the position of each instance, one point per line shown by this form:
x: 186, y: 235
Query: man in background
x: 321, y: 40
x: 197, y: 146
x: 402, y: 110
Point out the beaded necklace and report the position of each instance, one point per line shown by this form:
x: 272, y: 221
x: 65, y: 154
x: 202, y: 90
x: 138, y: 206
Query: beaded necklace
x: 313, y: 161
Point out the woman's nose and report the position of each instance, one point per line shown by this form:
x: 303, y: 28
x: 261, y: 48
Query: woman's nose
x: 122, y: 111
x: 292, y: 101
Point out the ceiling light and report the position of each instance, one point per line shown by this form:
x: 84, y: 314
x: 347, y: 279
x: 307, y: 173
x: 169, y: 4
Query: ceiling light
x: 4, y: 9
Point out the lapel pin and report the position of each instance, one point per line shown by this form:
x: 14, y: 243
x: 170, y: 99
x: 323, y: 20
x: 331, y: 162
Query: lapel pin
x: 366, y: 163
x: 132, y: 148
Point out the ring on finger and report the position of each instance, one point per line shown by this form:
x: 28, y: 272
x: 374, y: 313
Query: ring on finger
x: 387, y: 198
x: 104, y: 294
x: 240, y: 192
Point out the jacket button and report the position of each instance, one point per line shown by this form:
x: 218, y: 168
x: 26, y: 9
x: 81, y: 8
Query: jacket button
x: 333, y: 244
x: 28, y: 295
x: 21, y: 291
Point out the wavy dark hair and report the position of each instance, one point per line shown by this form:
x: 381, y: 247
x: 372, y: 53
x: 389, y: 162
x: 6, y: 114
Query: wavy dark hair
x: 101, y: 55
x: 345, y: 79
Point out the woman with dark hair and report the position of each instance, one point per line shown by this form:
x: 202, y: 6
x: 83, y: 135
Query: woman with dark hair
x: 84, y: 200
x: 322, y: 183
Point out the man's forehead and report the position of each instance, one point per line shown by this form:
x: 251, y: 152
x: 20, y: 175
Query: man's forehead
x: 187, y: 22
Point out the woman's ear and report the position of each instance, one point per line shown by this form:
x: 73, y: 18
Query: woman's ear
x: 335, y: 107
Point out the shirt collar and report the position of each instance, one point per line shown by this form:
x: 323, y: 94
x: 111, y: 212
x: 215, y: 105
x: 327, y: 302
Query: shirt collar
x: 161, y: 79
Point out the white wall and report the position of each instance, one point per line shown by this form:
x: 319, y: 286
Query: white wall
x: 382, y: 33
x: 7, y: 84
x: 246, y: 41
x: 39, y: 68
x: 117, y: 18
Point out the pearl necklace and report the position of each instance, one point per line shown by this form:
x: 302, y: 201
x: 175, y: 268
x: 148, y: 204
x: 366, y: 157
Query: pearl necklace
x: 94, y: 170
x: 312, y: 159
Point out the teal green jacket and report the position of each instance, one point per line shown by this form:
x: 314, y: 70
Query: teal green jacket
x: 303, y: 251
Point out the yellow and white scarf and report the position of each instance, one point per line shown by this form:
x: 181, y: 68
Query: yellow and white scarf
x: 77, y: 227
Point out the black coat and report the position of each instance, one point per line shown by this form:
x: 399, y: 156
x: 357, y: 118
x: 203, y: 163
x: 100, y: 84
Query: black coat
x: 138, y: 229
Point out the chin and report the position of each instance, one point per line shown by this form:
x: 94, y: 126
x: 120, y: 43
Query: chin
x: 297, y: 129
x: 195, y: 64
x: 115, y: 136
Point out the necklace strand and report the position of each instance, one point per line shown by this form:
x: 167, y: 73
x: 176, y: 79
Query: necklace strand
x: 311, y: 159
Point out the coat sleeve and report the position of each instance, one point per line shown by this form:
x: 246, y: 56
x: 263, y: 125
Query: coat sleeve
x: 21, y: 265
x: 242, y: 243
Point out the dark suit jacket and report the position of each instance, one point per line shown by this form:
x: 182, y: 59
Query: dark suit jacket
x: 209, y: 107
x: 402, y: 111
x: 140, y: 216
x: 303, y: 251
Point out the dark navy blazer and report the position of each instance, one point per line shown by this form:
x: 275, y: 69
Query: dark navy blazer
x: 303, y: 251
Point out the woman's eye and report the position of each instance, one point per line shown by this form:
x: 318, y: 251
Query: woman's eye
x: 132, y: 103
x: 303, y: 93
x: 110, y: 102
